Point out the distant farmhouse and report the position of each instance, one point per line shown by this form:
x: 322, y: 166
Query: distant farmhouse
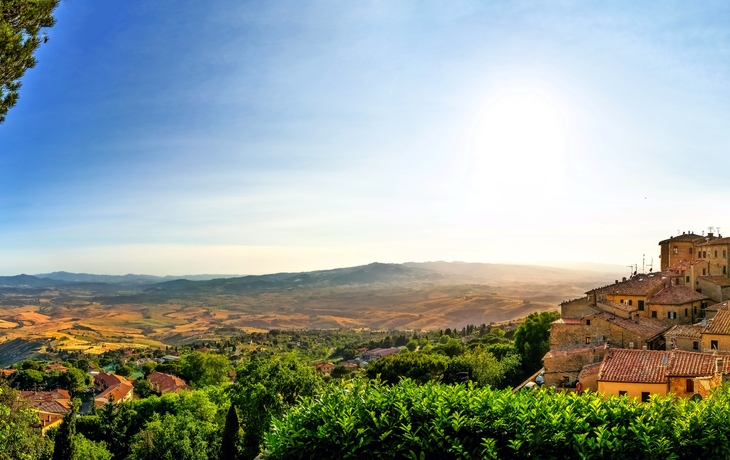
x: 653, y: 333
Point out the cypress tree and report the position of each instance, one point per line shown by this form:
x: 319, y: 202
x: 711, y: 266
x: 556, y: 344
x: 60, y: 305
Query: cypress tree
x: 65, y: 445
x: 229, y: 448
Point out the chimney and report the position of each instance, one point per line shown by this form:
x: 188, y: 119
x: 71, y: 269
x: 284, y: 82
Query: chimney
x: 617, y: 281
x: 718, y: 366
x: 623, y: 279
x: 709, y: 235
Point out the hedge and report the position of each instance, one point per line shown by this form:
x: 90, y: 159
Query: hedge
x: 433, y: 421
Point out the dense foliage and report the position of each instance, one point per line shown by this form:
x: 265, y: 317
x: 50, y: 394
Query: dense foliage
x: 18, y: 439
x: 532, y: 339
x: 21, y: 22
x: 431, y: 421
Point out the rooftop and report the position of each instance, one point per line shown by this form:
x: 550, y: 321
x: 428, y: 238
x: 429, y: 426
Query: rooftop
x: 686, y: 331
x: 646, y: 328
x: 717, y: 307
x: 637, y: 366
x: 720, y: 324
x: 676, y: 295
x: 617, y: 305
x: 649, y: 366
x: 715, y: 241
x: 642, y: 284
x: 685, y: 237
x: 721, y: 281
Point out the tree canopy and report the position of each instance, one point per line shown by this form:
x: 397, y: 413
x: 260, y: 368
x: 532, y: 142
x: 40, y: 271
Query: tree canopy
x: 21, y: 22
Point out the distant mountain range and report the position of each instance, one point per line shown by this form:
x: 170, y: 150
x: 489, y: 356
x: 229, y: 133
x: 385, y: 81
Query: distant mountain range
x: 410, y: 272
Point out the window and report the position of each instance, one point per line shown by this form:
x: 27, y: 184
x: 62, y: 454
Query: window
x: 690, y: 250
x: 686, y: 279
x: 724, y: 253
x: 588, y: 340
x: 653, y: 314
x: 645, y: 396
x: 690, y: 386
x: 703, y: 271
x: 724, y: 269
x: 675, y: 250
x: 713, y: 344
x: 672, y: 314
x: 704, y: 254
x: 641, y: 305
x: 694, y: 309
x: 631, y: 302
x: 686, y: 312
x: 588, y: 322
x: 622, y: 392
x: 622, y: 300
x: 695, y: 345
x: 715, y: 252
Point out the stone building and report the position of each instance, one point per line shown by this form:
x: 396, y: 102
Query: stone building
x: 643, y: 373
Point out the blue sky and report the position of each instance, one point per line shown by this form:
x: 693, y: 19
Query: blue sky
x: 176, y: 137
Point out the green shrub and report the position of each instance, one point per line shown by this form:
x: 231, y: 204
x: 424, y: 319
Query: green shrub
x: 433, y: 421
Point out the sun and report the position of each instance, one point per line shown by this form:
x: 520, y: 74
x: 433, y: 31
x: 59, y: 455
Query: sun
x: 519, y: 137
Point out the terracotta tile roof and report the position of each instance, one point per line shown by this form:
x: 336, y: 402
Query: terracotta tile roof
x: 648, y: 366
x: 683, y: 265
x: 687, y: 237
x: 637, y: 366
x: 720, y: 324
x: 115, y: 386
x: 693, y: 331
x: 617, y: 305
x: 646, y: 328
x: 166, y: 383
x: 56, y: 401
x: 719, y: 280
x: 676, y: 295
x: 717, y: 307
x: 6, y: 372
x: 642, y: 284
x: 687, y: 363
x: 46, y: 395
x: 715, y: 241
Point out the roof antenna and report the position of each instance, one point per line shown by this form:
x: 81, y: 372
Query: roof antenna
x: 643, y: 263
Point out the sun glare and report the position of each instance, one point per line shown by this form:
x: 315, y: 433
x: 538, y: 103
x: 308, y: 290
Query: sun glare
x: 518, y: 138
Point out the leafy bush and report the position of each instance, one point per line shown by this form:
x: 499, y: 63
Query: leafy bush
x: 432, y: 421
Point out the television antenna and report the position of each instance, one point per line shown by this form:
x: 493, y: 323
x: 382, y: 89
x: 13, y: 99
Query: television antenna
x: 710, y: 229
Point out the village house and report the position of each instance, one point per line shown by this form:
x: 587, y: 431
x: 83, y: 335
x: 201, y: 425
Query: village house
x: 51, y: 406
x: 643, y: 373
x: 687, y: 337
x: 165, y: 383
x: 111, y: 388
x: 325, y: 368
x: 376, y: 353
x: 716, y: 336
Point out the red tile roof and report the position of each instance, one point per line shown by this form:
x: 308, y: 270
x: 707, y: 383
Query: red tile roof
x: 689, y: 364
x: 687, y: 331
x: 166, y: 383
x: 719, y: 280
x: 676, y: 295
x: 715, y: 241
x: 55, y: 401
x: 114, y: 386
x: 641, y: 284
x: 617, y: 305
x: 717, y: 307
x: 649, y: 366
x: 720, y: 324
x: 646, y: 328
x: 686, y: 237
x: 636, y: 366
